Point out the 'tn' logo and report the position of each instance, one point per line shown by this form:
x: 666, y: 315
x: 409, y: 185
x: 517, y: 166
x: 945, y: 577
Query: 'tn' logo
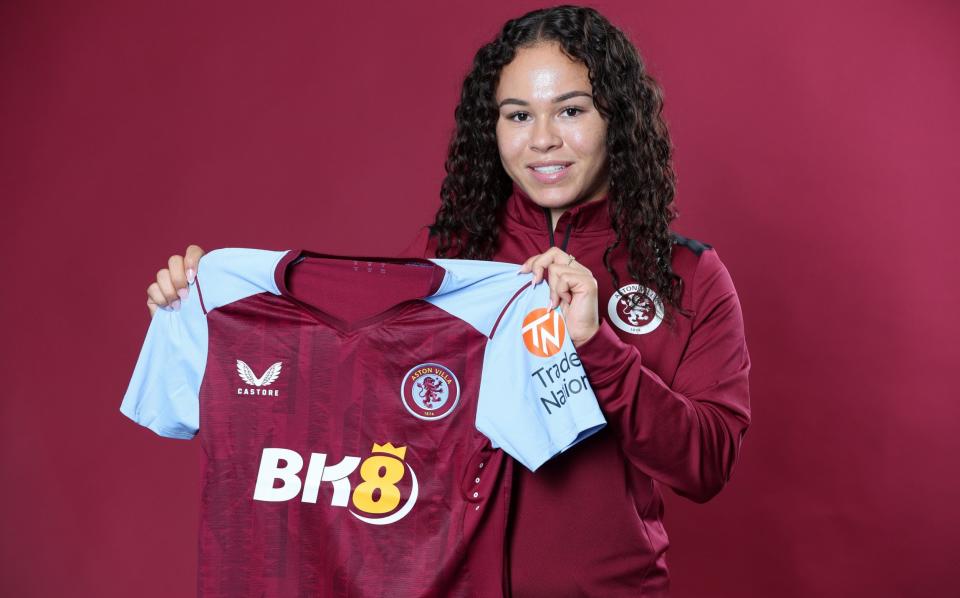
x: 543, y: 332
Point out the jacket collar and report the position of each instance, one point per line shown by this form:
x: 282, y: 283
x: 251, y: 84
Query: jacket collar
x: 586, y: 218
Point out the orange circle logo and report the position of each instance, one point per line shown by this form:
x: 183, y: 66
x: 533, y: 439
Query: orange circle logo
x: 543, y: 332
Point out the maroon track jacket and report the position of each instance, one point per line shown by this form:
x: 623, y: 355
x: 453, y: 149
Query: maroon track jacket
x: 589, y: 522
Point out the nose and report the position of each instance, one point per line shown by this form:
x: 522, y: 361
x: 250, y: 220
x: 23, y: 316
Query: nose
x: 544, y: 137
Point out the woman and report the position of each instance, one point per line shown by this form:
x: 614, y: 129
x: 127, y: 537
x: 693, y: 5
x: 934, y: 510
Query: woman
x: 561, y: 160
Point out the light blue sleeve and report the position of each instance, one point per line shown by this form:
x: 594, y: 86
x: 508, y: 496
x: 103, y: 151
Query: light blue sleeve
x: 532, y: 406
x: 163, y: 394
x: 476, y: 291
x: 164, y: 390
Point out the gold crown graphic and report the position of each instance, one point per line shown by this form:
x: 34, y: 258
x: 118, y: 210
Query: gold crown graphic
x: 389, y: 449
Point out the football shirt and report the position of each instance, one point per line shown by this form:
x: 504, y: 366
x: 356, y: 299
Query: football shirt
x: 351, y: 413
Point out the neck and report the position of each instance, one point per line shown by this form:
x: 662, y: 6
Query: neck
x: 591, y: 214
x: 555, y: 214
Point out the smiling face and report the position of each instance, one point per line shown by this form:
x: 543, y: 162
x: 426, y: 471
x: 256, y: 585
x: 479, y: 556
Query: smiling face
x: 551, y: 137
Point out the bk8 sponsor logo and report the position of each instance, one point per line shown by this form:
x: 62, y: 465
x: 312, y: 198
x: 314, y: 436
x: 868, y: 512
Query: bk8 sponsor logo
x: 376, y: 500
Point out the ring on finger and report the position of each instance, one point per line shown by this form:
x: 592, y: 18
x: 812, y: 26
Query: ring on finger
x: 572, y: 259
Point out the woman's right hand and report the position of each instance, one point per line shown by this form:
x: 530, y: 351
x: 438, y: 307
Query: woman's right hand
x: 172, y: 282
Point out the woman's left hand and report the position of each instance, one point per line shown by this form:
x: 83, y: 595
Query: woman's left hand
x: 572, y: 287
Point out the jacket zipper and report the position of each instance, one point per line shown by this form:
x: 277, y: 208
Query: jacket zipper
x: 566, y: 236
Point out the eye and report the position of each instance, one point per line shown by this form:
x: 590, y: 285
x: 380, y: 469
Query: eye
x: 519, y: 117
x: 575, y: 111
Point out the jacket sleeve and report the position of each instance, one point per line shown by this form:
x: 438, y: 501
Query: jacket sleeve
x: 686, y: 436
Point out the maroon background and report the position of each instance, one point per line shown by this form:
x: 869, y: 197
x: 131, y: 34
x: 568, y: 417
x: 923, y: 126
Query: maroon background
x: 816, y: 149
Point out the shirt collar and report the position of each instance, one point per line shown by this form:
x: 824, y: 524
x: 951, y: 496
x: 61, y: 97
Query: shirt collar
x: 585, y: 218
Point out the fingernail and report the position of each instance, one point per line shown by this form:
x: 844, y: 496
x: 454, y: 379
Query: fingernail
x: 191, y: 275
x: 175, y: 305
x: 182, y: 293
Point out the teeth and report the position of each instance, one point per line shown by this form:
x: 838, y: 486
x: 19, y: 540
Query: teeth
x: 549, y: 169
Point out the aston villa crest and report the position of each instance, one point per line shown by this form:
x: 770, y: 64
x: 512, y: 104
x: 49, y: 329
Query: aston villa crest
x: 635, y: 309
x: 430, y: 391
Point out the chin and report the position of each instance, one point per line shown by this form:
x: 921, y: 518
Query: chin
x: 553, y: 199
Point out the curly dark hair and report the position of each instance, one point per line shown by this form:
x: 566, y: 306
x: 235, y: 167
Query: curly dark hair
x: 642, y: 179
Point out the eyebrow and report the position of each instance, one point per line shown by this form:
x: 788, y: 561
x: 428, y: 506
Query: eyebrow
x: 560, y: 98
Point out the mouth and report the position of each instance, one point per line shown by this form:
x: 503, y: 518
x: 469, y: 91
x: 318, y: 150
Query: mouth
x: 549, y: 167
x: 549, y: 172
